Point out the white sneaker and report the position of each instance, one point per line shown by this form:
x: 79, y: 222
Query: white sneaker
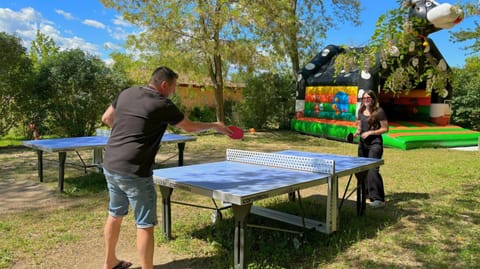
x: 377, y: 204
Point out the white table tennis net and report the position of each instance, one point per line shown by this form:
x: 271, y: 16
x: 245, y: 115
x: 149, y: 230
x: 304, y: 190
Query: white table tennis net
x: 282, y: 160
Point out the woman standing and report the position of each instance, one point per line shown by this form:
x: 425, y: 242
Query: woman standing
x: 371, y: 124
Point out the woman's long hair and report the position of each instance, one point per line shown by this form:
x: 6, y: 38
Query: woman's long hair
x: 373, y: 122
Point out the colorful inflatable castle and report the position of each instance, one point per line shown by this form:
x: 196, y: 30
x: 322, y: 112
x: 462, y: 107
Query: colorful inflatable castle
x: 327, y: 103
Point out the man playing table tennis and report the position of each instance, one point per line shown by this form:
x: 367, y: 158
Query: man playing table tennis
x: 139, y: 117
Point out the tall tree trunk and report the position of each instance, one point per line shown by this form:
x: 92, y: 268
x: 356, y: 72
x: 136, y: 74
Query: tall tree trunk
x: 217, y: 75
x: 294, y: 59
x: 218, y: 86
x: 293, y: 46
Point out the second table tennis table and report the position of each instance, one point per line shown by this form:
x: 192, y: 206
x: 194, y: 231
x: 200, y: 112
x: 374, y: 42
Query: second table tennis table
x: 246, y: 177
x: 95, y: 143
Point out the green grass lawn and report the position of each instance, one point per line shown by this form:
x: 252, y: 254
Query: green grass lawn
x: 432, y: 217
x: 9, y: 141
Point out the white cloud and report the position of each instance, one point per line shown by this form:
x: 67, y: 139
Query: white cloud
x: 65, y: 14
x: 95, y: 24
x: 119, y: 33
x: 77, y: 42
x: 121, y: 22
x: 23, y: 20
x: 27, y: 21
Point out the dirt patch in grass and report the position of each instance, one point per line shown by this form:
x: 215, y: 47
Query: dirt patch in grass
x: 20, y: 188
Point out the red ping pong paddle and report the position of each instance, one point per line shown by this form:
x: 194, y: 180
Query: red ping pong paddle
x: 237, y: 133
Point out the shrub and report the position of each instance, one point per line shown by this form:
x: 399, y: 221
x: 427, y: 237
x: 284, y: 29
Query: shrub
x: 268, y: 102
x: 204, y: 113
x: 466, y: 92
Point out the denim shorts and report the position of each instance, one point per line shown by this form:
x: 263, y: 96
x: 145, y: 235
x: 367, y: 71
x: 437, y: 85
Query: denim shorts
x: 138, y: 192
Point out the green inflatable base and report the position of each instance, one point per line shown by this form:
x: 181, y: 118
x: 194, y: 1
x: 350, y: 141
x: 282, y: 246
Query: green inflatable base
x: 327, y: 130
x: 403, y: 136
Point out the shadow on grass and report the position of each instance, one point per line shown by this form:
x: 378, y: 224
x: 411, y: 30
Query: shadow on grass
x: 275, y: 249
x: 89, y: 183
x: 192, y: 263
x: 453, y: 217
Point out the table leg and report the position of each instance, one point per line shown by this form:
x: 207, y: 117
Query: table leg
x: 166, y: 211
x: 361, y: 196
x: 181, y: 148
x: 98, y: 159
x: 62, y: 156
x: 240, y: 212
x: 332, y: 207
x: 40, y: 165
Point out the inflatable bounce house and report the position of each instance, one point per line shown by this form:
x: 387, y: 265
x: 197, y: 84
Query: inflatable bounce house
x: 327, y: 102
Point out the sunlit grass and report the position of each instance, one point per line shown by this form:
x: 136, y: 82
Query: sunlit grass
x: 432, y: 217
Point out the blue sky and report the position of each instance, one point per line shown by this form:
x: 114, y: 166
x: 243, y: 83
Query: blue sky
x: 86, y: 24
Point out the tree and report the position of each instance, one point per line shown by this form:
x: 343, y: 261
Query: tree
x: 296, y: 29
x: 194, y: 37
x: 400, y: 51
x: 34, y: 101
x: 134, y: 69
x: 42, y: 48
x: 208, y: 37
x: 79, y: 88
x: 466, y: 92
x: 472, y: 9
x: 15, y: 78
x: 268, y: 101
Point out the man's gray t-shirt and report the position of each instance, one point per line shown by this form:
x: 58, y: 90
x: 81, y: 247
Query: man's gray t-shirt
x: 140, y: 119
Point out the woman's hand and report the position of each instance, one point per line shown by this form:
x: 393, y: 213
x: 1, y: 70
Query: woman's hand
x: 366, y: 134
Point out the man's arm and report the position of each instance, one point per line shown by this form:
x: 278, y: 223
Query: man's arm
x: 107, y: 116
x: 196, y: 126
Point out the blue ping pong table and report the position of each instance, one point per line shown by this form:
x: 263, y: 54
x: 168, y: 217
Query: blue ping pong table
x: 242, y: 180
x: 95, y: 143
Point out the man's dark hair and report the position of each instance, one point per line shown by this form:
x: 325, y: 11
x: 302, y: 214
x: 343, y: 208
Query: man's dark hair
x: 162, y: 73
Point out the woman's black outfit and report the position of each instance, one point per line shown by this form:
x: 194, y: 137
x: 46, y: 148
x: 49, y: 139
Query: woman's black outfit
x: 372, y: 147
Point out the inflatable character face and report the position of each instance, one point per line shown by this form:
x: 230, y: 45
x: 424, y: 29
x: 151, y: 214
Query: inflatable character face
x: 440, y: 16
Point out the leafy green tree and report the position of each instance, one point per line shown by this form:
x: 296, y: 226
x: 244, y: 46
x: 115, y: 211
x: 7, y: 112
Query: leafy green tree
x: 466, y: 83
x: 15, y: 78
x: 134, y: 69
x: 466, y: 92
x: 193, y: 37
x: 268, y: 101
x: 401, y: 53
x: 471, y: 34
x: 42, y: 48
x: 79, y: 88
x: 210, y: 36
x: 296, y: 29
x: 34, y: 100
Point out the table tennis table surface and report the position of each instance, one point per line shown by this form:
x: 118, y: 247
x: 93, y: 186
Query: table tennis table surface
x: 89, y: 142
x: 242, y: 183
x: 94, y: 143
